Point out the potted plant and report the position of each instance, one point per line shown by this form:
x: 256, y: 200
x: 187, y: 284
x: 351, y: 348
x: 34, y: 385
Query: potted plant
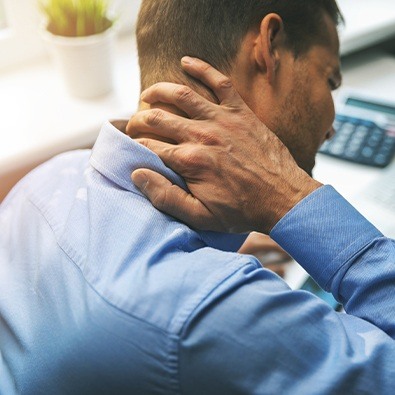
x: 81, y: 35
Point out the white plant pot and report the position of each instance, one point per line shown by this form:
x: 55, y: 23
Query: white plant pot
x: 86, y: 63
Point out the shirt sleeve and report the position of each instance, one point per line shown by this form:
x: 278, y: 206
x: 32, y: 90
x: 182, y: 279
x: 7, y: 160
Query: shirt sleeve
x: 254, y: 335
x: 344, y: 253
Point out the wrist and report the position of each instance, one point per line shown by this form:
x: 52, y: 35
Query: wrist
x: 289, y: 195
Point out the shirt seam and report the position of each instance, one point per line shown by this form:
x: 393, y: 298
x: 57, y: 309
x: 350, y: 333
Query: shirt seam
x: 188, y: 318
x: 87, y: 282
x: 117, y: 309
x: 347, y: 261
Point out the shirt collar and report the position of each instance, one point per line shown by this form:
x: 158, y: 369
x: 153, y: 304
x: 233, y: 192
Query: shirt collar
x: 115, y: 155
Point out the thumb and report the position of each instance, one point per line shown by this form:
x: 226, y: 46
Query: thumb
x: 155, y: 187
x: 174, y: 201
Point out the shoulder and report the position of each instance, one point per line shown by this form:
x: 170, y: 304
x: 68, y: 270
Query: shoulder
x: 46, y: 196
x: 52, y: 174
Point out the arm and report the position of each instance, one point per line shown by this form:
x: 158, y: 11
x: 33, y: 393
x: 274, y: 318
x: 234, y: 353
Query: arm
x: 243, y: 178
x: 344, y: 253
x: 284, y: 342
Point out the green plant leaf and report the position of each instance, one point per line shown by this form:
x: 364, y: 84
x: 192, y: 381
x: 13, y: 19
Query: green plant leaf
x: 72, y: 18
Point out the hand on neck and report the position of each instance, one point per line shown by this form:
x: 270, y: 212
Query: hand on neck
x: 136, y: 134
x: 197, y: 86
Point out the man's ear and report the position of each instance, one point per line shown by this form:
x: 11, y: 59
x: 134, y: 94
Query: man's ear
x: 268, y: 43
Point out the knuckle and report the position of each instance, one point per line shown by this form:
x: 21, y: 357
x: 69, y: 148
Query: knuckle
x: 152, y: 92
x: 144, y: 142
x: 155, y: 117
x: 183, y: 94
x: 165, y: 199
x: 209, y: 138
x: 204, y: 67
x: 224, y: 83
x: 235, y: 110
x: 168, y: 152
x: 193, y: 160
x: 160, y: 199
x: 155, y: 88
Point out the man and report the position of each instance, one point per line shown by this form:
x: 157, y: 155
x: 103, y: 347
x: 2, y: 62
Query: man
x: 102, y: 293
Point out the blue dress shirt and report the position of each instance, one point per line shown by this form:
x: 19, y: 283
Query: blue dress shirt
x: 102, y: 293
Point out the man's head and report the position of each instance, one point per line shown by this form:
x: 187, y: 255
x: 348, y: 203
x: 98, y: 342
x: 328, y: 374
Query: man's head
x: 267, y: 47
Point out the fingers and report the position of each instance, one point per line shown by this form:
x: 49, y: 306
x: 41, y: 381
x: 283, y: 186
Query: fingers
x: 160, y: 123
x: 278, y: 269
x: 188, y: 101
x: 187, y: 160
x: 265, y: 249
x: 173, y: 200
x: 165, y: 151
x: 272, y: 258
x: 216, y: 81
x: 260, y: 243
x: 183, y: 97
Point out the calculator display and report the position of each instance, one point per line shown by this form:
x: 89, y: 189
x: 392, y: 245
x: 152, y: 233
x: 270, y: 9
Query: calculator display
x: 383, y: 108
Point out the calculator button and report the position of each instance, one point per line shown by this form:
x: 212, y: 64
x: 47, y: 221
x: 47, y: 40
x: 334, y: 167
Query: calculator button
x: 362, y: 141
x: 362, y: 129
x: 377, y: 133
x: 374, y: 140
x: 349, y: 126
x: 361, y: 134
x: 341, y: 138
x: 356, y: 143
x: 380, y: 160
x: 336, y: 149
x: 388, y: 140
x: 324, y: 146
x: 337, y: 124
x: 367, y: 152
x: 349, y: 154
x: 384, y: 152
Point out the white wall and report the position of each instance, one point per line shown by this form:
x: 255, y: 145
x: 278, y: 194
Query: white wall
x: 21, y: 42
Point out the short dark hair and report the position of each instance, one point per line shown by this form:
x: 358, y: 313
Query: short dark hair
x: 213, y: 30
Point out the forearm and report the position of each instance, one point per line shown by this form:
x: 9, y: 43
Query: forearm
x: 344, y: 253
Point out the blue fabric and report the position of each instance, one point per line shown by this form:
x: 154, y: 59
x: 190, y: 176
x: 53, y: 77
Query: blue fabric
x: 101, y: 293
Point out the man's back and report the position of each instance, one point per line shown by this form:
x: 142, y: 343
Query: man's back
x: 96, y: 283
x: 101, y: 293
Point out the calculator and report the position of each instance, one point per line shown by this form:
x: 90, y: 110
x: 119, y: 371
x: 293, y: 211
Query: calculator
x: 365, y: 130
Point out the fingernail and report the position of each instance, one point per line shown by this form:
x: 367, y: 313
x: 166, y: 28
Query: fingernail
x: 140, y: 180
x: 187, y: 60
